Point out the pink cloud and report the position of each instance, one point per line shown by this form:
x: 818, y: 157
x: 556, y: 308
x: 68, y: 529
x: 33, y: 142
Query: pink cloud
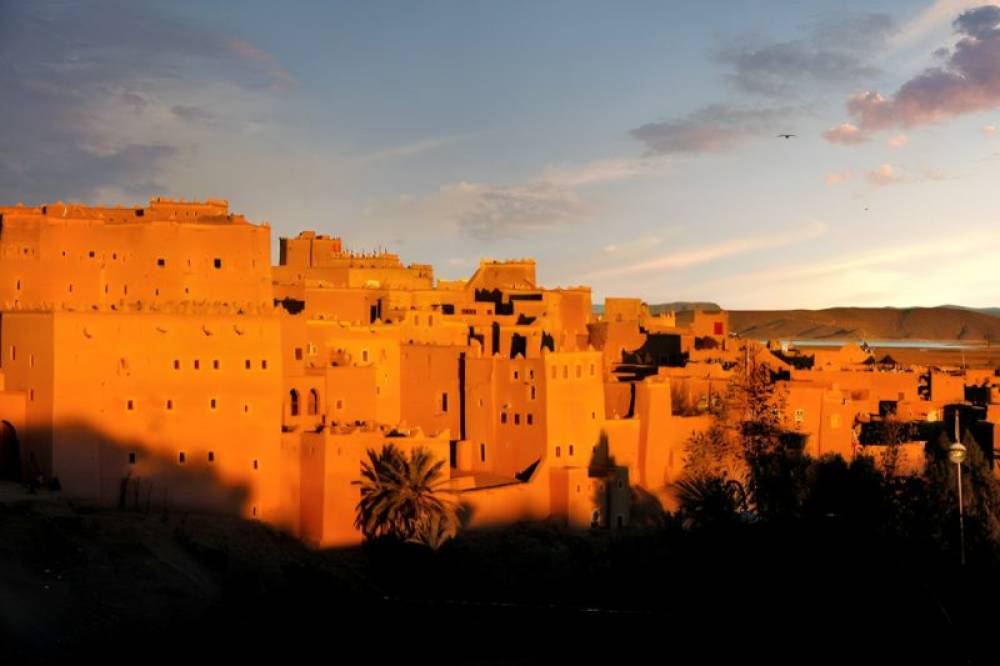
x: 969, y: 81
x: 884, y: 175
x: 838, y: 177
x: 898, y: 141
x: 845, y: 134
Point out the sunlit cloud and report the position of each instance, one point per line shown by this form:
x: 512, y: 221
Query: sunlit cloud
x: 631, y: 246
x: 845, y: 134
x: 886, y: 174
x: 968, y: 81
x: 898, y: 141
x: 937, y: 15
x: 602, y: 171
x: 920, y: 273
x: 838, y: 177
x: 697, y: 255
x: 409, y: 149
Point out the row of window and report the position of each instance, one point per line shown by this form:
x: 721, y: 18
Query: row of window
x: 162, y: 263
x: 182, y: 458
x: 565, y: 371
x: 559, y: 451
x: 217, y: 364
x: 530, y: 418
x: 168, y: 405
x: 312, y: 352
x: 312, y: 406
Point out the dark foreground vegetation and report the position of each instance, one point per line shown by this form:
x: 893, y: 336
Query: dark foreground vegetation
x: 773, y: 557
x: 78, y: 582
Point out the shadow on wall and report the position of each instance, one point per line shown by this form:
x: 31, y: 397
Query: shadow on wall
x: 129, y: 474
x: 10, y: 453
x: 611, y: 498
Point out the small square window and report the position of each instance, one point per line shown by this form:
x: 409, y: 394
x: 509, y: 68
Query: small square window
x: 212, y: 403
x: 531, y: 419
x: 197, y: 364
x: 558, y: 451
x: 131, y: 458
x: 215, y: 364
x: 298, y: 353
x: 248, y: 364
x: 177, y: 364
x: 263, y: 364
x: 130, y: 405
x: 181, y: 458
x: 211, y: 456
x: 571, y: 449
x: 503, y: 417
x: 517, y: 419
x: 255, y: 465
x: 161, y: 262
x: 170, y: 405
x: 217, y: 262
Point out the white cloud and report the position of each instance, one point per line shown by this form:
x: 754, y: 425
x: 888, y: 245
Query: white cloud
x: 490, y: 211
x: 602, y: 171
x: 702, y: 254
x: 919, y: 273
x: 409, y: 149
x: 937, y: 15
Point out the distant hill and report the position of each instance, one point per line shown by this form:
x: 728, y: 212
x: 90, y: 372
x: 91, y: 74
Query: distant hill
x: 994, y: 312
x: 682, y: 306
x: 938, y: 323
x: 676, y: 306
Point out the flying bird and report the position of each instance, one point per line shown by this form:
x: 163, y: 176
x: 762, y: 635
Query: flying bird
x: 786, y: 136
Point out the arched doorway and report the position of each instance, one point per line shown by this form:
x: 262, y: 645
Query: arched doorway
x: 10, y: 453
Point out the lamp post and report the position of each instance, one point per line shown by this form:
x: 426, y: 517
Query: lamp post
x: 956, y: 454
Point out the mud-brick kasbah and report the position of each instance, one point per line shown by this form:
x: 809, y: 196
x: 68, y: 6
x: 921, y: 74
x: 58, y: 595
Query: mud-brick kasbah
x: 154, y: 356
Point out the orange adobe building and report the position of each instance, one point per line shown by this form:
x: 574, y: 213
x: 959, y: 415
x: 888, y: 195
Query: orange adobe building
x: 153, y: 356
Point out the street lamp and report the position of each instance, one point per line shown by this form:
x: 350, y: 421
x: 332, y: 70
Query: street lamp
x: 956, y: 454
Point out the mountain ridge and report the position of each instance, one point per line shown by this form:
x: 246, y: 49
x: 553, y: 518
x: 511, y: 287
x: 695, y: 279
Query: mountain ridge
x: 888, y: 323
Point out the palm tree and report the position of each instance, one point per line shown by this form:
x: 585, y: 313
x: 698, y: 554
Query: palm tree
x: 400, y: 498
x: 709, y: 500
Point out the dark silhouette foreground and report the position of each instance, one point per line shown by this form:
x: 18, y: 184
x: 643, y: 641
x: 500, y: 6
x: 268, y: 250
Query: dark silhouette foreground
x: 147, y: 587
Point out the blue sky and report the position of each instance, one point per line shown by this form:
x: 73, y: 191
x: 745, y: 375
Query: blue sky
x: 630, y: 146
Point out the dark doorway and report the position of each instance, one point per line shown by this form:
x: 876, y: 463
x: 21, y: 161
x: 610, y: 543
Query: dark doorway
x: 10, y: 453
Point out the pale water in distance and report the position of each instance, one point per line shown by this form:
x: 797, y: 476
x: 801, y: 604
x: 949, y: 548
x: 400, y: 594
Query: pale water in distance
x: 899, y: 344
